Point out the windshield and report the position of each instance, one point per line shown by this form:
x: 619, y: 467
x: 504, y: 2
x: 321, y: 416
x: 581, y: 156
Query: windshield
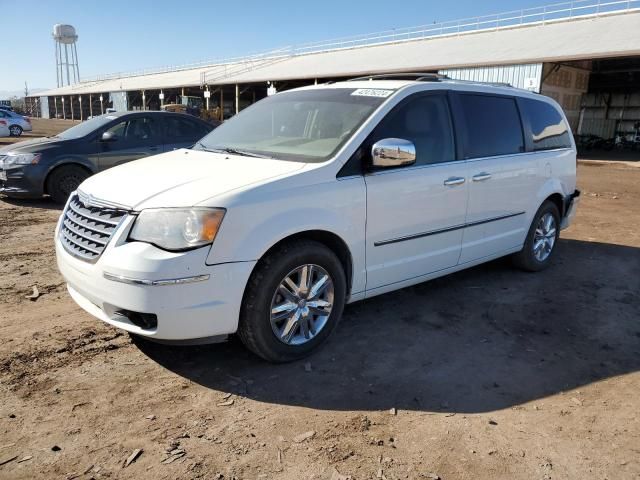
x: 304, y: 125
x: 86, y: 127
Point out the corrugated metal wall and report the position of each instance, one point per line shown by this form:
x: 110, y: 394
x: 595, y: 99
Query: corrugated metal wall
x: 521, y: 76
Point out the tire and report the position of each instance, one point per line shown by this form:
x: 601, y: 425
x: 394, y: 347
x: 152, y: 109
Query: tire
x: 534, y: 256
x: 64, y: 180
x: 15, y: 130
x: 263, y: 334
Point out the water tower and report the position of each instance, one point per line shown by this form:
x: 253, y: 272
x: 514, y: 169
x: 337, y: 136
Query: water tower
x: 65, y: 38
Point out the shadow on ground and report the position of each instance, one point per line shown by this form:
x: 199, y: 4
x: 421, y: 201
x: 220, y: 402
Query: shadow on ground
x: 45, y: 203
x: 479, y: 340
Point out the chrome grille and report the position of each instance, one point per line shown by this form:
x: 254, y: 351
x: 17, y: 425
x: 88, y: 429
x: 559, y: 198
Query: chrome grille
x: 86, y: 231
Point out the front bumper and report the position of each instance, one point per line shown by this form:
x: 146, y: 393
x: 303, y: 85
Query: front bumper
x: 22, y: 181
x: 188, y: 310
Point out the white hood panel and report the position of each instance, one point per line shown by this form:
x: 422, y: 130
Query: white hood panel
x: 181, y: 178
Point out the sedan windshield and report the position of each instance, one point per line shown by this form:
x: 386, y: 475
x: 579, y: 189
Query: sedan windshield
x: 304, y: 125
x: 86, y: 127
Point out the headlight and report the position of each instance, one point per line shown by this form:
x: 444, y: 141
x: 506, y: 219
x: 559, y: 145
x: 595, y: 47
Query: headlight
x: 13, y: 158
x: 177, y: 228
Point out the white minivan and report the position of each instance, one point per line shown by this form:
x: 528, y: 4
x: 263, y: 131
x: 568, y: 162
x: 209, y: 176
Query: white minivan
x: 317, y: 197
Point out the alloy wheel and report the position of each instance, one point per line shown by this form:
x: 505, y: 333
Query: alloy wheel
x: 302, y: 304
x: 544, y: 237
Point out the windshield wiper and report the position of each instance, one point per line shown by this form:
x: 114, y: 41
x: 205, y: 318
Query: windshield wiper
x: 239, y: 151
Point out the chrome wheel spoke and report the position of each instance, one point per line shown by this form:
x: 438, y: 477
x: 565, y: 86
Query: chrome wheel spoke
x: 288, y: 294
x: 290, y: 327
x: 319, y: 286
x: 282, y: 311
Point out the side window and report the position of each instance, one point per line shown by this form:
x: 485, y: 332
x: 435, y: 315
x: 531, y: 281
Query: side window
x: 138, y: 129
x: 184, y: 128
x: 491, y: 125
x: 548, y: 128
x: 425, y: 121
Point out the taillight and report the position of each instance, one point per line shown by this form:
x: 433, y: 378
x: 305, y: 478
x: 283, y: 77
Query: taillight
x: 3, y: 122
x: 27, y: 119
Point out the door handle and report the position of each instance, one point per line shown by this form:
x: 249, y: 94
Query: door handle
x: 481, y: 177
x: 451, y: 181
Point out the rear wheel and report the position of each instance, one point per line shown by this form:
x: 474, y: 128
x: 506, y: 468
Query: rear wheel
x: 15, y: 130
x: 64, y: 180
x: 541, y: 239
x: 293, y: 301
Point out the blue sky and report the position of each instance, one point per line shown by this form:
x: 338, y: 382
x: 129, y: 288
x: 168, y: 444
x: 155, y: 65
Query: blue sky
x: 119, y: 35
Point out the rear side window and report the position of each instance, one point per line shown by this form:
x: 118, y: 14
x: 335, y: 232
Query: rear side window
x: 425, y: 121
x: 548, y: 128
x: 185, y: 128
x: 492, y: 125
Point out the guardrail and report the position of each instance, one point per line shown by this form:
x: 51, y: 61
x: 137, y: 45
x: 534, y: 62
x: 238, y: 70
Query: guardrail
x: 536, y: 15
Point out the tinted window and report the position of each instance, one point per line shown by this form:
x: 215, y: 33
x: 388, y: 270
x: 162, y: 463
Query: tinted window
x: 425, y: 121
x: 548, y: 128
x: 492, y: 126
x: 178, y: 127
x: 137, y: 129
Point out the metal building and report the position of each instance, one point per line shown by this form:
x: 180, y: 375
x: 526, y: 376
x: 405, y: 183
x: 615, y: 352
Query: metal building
x: 554, y: 50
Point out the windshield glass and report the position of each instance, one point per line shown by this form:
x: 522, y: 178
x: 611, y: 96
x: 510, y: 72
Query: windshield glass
x: 86, y: 127
x: 304, y: 125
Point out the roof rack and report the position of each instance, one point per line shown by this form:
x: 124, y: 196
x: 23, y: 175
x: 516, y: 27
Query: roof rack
x: 425, y: 77
x: 418, y: 77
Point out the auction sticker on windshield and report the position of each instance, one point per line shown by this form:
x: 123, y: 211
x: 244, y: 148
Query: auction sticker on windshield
x: 372, y: 92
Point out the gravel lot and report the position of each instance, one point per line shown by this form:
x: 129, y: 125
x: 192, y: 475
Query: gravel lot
x: 488, y: 373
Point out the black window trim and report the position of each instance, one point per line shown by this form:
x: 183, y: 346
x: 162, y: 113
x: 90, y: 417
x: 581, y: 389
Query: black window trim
x: 460, y: 125
x: 354, y: 167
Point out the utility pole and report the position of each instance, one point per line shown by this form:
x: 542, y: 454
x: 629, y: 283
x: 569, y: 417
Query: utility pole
x: 26, y: 89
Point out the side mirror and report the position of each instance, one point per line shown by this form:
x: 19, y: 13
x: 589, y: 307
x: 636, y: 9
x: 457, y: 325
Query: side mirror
x: 108, y: 137
x: 393, y: 152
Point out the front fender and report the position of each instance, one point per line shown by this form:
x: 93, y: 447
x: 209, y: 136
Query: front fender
x: 249, y: 230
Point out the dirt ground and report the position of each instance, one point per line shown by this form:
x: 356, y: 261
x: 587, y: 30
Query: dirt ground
x: 490, y: 373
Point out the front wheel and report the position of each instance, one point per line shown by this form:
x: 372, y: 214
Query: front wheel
x: 64, y: 180
x: 541, y: 239
x: 15, y: 130
x: 293, y: 301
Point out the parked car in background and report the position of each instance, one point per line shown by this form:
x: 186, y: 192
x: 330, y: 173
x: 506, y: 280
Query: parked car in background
x: 17, y: 123
x: 317, y: 197
x: 57, y: 165
x: 4, y: 129
x: 6, y: 107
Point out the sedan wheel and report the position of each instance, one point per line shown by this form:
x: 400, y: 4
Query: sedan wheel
x: 302, y: 304
x: 15, y: 130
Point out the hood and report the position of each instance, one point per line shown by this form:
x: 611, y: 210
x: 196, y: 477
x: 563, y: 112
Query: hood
x: 32, y: 146
x: 181, y: 178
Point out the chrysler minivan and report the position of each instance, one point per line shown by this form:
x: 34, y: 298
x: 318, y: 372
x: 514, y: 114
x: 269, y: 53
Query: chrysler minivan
x: 317, y: 197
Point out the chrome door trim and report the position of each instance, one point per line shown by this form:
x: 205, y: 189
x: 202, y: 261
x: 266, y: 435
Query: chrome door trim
x: 444, y: 230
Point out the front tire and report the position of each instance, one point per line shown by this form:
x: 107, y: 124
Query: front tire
x: 64, y: 180
x: 293, y: 301
x: 541, y: 239
x: 15, y: 130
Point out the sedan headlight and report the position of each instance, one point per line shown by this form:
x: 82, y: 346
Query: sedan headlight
x: 14, y: 158
x: 177, y: 228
